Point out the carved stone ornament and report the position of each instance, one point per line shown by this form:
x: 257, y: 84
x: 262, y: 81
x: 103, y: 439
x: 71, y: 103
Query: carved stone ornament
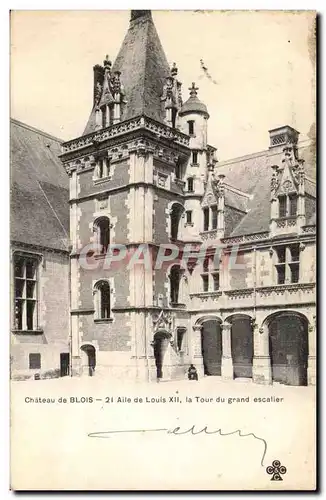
x: 161, y: 180
x: 163, y: 320
x: 287, y: 186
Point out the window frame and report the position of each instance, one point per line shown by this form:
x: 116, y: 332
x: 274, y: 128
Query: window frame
x: 189, y: 221
x: 191, y: 128
x: 23, y: 324
x: 99, y: 234
x: 99, y: 316
x: 289, y: 201
x: 39, y: 358
x: 288, y: 267
x: 190, y: 184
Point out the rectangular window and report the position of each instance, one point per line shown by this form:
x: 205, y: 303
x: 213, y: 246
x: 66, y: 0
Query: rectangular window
x: 206, y: 218
x: 178, y: 171
x: 195, y: 157
x: 34, y: 361
x: 282, y: 206
x: 191, y: 127
x: 280, y: 252
x: 295, y: 250
x: 189, y: 216
x: 288, y: 266
x: 100, y: 168
x: 280, y: 274
x: 294, y: 269
x: 205, y: 282
x: 206, y: 265
x: 190, y: 184
x: 25, y: 283
x: 214, y: 217
x: 293, y: 205
x: 216, y: 281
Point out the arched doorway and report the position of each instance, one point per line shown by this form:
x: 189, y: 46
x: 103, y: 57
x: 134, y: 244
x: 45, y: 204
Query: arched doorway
x: 88, y: 358
x: 160, y: 344
x: 241, y: 345
x: 288, y: 347
x: 211, y: 346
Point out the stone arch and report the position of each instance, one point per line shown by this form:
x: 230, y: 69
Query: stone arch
x: 88, y: 358
x: 176, y: 210
x: 288, y: 346
x: 102, y: 228
x: 211, y: 344
x: 241, y: 344
x: 207, y: 317
x: 160, y: 344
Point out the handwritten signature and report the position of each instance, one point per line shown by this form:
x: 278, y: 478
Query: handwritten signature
x: 177, y: 431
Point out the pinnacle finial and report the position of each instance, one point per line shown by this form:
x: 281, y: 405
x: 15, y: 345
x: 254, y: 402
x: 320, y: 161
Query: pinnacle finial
x: 193, y: 90
x: 135, y: 14
x: 174, y: 70
x: 107, y: 62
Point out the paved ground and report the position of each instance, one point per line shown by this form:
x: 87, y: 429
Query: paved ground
x: 52, y: 447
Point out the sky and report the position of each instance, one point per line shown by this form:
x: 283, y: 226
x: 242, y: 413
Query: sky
x: 261, y: 64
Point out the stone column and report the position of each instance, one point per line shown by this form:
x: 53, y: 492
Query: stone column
x: 196, y: 350
x: 312, y: 353
x: 227, y: 362
x: 261, y: 366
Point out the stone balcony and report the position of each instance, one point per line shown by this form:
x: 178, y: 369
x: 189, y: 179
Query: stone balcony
x: 276, y: 295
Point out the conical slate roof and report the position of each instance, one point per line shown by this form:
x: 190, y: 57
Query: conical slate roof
x: 193, y: 104
x: 143, y: 67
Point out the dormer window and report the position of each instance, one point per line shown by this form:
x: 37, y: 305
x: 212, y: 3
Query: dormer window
x: 206, y: 218
x: 214, y: 216
x: 191, y: 127
x: 106, y: 115
x: 287, y: 205
x: 103, y: 167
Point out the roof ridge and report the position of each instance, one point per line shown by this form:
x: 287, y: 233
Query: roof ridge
x: 34, y: 129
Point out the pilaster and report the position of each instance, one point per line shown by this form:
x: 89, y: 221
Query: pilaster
x: 227, y: 362
x: 312, y: 353
x: 261, y: 367
x: 196, y: 350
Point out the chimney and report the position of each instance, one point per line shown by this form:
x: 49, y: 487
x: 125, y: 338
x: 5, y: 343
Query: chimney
x: 283, y: 135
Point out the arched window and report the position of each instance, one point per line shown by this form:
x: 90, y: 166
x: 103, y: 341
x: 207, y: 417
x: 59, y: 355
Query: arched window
x: 175, y: 216
x: 102, y: 231
x: 175, y: 275
x: 102, y: 294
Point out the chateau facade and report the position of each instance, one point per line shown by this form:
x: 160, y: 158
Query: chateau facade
x: 143, y: 174
x: 39, y: 256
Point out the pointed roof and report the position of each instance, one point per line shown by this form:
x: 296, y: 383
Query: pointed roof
x: 143, y: 67
x: 39, y: 201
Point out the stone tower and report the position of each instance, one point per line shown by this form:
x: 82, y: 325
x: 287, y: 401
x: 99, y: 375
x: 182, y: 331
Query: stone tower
x: 129, y: 194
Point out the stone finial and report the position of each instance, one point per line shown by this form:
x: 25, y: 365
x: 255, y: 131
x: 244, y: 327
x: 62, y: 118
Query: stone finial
x: 193, y: 90
x: 174, y: 70
x: 107, y: 63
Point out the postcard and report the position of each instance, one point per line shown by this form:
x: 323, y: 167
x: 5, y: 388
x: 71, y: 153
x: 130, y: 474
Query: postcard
x: 163, y: 250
